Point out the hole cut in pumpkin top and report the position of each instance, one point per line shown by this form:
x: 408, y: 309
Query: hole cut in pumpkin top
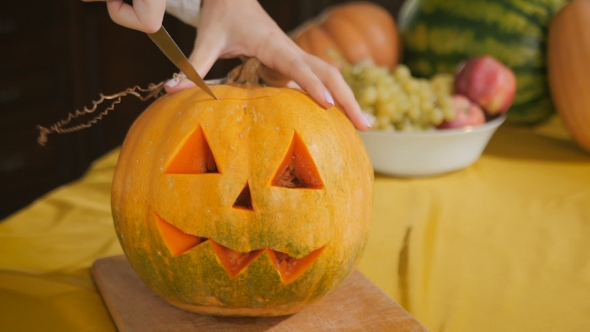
x: 298, y: 170
x: 194, y: 156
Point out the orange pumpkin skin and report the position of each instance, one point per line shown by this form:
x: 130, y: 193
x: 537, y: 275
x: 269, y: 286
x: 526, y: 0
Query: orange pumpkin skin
x: 182, y: 220
x: 355, y: 30
x: 568, y: 59
x: 363, y: 30
x: 317, y: 41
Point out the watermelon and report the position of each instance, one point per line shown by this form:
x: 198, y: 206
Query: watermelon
x: 438, y: 35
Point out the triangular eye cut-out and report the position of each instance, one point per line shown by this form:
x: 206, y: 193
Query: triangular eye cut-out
x: 194, y: 157
x: 244, y: 200
x: 176, y: 240
x: 298, y: 169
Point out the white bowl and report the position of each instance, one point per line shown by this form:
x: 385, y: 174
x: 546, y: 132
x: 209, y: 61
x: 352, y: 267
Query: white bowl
x: 427, y: 153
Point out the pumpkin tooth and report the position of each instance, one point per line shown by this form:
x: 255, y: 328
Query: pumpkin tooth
x: 176, y: 240
x: 298, y: 170
x: 234, y: 261
x: 291, y: 268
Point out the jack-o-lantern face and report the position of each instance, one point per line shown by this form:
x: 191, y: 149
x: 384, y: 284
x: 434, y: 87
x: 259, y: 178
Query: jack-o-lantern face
x: 256, y: 204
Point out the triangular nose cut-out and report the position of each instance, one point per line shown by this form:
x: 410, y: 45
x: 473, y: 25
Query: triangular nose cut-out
x: 194, y: 156
x: 244, y: 200
x: 176, y: 240
x: 298, y: 170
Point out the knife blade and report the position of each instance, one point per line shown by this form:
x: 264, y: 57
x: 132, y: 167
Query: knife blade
x: 167, y: 45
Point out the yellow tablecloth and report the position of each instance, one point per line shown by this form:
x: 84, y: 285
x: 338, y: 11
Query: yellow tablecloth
x: 503, y: 245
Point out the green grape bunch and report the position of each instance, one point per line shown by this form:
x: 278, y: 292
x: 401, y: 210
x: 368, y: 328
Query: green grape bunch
x: 399, y: 101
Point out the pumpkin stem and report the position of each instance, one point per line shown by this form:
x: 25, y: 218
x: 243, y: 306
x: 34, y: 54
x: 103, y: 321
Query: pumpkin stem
x: 248, y: 73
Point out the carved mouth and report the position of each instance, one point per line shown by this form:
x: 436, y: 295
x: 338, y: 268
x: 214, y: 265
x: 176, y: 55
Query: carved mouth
x: 234, y: 262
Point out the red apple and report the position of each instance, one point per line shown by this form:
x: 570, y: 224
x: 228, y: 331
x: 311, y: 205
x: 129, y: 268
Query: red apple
x: 488, y: 82
x: 468, y: 114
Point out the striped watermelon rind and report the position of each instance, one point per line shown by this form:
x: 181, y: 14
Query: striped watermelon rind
x: 440, y: 34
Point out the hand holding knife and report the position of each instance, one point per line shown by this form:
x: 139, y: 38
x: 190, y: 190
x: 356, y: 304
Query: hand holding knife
x: 167, y: 45
x: 163, y: 40
x: 228, y: 30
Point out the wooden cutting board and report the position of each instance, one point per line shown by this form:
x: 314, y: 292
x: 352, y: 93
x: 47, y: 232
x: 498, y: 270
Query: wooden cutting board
x: 357, y: 305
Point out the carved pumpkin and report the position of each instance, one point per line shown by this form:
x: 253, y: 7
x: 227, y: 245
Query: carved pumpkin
x: 255, y: 204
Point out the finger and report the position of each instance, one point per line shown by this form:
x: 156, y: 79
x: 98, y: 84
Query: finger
x: 320, y: 79
x: 287, y: 58
x: 201, y: 60
x: 203, y: 57
x: 343, y: 95
x: 150, y: 14
x: 144, y: 15
x: 174, y: 85
x: 206, y: 51
x: 292, y: 65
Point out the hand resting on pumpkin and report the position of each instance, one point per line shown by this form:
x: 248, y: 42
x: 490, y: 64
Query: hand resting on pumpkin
x: 229, y: 29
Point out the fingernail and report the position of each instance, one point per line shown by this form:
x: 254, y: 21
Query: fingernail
x: 172, y: 83
x: 328, y: 98
x: 369, y: 119
x: 293, y: 85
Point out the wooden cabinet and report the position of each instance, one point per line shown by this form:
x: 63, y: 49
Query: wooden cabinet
x: 56, y: 57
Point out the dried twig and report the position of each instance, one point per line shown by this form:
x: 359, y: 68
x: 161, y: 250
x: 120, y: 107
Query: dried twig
x: 61, y: 127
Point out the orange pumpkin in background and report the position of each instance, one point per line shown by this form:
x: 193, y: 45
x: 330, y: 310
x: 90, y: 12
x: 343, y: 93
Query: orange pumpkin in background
x: 356, y: 31
x: 568, y: 61
x: 256, y: 204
